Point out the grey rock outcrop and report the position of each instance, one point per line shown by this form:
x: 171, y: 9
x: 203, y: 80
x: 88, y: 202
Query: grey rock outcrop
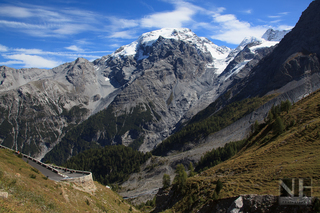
x: 296, y: 56
x: 162, y: 79
x: 290, y: 70
x: 252, y: 203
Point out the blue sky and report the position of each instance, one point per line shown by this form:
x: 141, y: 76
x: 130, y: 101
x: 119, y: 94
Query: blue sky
x: 48, y: 33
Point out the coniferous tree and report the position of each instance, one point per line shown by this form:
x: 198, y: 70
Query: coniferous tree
x: 191, y: 170
x: 219, y: 186
x: 180, y: 180
x: 285, y: 106
x: 110, y: 164
x: 270, y: 116
x: 255, y: 127
x: 216, y: 156
x: 278, y: 126
x: 166, y: 181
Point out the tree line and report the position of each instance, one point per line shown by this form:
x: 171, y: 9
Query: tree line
x: 208, y: 121
x: 111, y: 164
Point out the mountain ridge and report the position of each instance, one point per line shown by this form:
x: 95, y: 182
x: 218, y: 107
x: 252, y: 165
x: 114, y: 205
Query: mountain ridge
x: 84, y: 88
x: 251, y: 82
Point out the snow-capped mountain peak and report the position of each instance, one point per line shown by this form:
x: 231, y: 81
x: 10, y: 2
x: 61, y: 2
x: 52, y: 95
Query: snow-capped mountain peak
x: 246, y: 41
x: 169, y: 33
x: 270, y: 38
x: 147, y: 39
x: 202, y: 44
x: 274, y: 35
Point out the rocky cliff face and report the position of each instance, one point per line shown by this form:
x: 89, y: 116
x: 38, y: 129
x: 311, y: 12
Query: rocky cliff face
x: 161, y: 84
x: 39, y: 106
x: 147, y: 88
x: 294, y: 58
x: 36, y: 115
x: 290, y: 70
x: 248, y: 203
x: 243, y: 203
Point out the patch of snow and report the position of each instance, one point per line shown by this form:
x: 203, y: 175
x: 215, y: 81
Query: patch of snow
x: 270, y: 38
x: 274, y: 35
x: 221, y: 55
x: 237, y: 69
x: 241, y: 46
x: 169, y: 33
x: 219, y: 64
x: 129, y: 49
x: 218, y: 53
x: 141, y: 56
x: 263, y: 44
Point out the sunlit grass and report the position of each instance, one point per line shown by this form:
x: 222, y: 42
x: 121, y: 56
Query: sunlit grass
x: 39, y: 194
x: 267, y: 158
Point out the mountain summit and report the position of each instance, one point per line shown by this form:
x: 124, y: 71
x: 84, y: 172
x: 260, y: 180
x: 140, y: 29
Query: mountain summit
x: 274, y: 35
x: 141, y: 48
x: 144, y: 91
x: 294, y: 59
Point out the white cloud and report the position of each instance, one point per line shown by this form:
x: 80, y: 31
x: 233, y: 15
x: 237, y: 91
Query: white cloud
x: 115, y: 45
x: 233, y: 30
x: 120, y: 23
x: 274, y: 16
x: 20, y: 25
x: 45, y: 59
x: 50, y: 30
x: 275, y: 21
x: 168, y: 19
x: 284, y: 27
x: 3, y: 48
x: 53, y: 22
x: 248, y: 11
x: 220, y: 10
x: 147, y: 5
x: 279, y: 15
x: 16, y: 12
x: 69, y: 29
x: 18, y: 51
x: 31, y: 61
x: 74, y: 48
x: 284, y: 13
x: 29, y: 51
x: 41, y: 21
x: 83, y: 41
x: 128, y: 34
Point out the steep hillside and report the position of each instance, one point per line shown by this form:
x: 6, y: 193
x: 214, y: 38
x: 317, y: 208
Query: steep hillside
x: 296, y: 57
x: 151, y: 106
x: 111, y: 164
x: 302, y: 78
x: 162, y: 88
x: 37, y: 107
x: 202, y: 125
x: 269, y: 155
x: 24, y: 189
x: 146, y: 90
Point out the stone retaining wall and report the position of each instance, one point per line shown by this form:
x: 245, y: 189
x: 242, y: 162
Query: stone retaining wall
x: 84, y: 180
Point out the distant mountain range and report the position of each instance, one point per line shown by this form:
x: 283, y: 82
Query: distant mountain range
x: 178, y: 96
x: 145, y: 91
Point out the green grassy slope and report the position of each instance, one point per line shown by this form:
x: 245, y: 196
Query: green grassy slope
x: 208, y: 121
x: 30, y: 191
x: 83, y: 136
x: 267, y: 157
